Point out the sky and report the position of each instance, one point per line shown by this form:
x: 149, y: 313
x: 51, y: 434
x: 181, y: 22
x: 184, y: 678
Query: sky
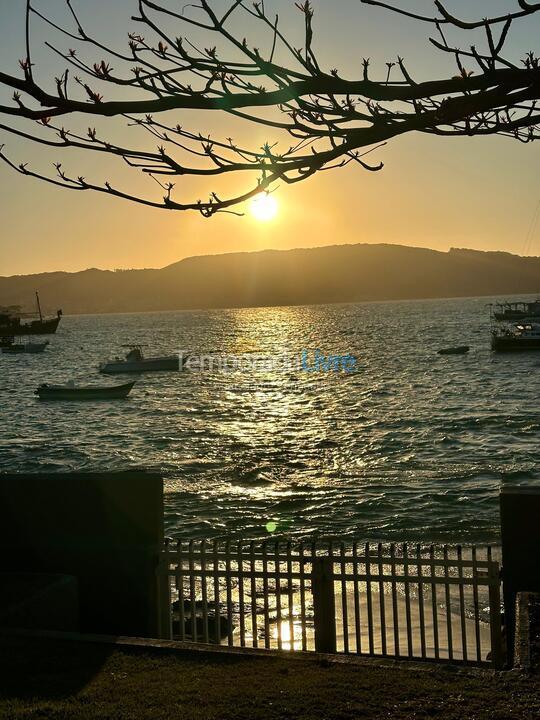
x: 478, y: 193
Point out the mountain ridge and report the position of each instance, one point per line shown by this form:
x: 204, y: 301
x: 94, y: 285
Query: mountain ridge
x: 328, y: 274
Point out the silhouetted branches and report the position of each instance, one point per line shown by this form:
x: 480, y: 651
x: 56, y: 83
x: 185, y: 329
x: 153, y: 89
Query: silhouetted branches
x: 329, y: 121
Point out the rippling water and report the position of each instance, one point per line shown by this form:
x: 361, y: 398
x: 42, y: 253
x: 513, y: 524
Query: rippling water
x: 411, y: 446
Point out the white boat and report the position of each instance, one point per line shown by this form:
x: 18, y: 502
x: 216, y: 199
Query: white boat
x: 135, y: 362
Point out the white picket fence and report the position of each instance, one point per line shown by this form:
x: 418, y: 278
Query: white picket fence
x: 436, y: 603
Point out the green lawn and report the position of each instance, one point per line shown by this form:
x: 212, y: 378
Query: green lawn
x: 55, y: 679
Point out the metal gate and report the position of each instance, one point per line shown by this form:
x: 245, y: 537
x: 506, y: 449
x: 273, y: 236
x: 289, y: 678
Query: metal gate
x: 421, y: 602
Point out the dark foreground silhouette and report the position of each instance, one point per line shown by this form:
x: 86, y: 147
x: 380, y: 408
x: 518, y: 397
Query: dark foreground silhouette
x: 69, y: 679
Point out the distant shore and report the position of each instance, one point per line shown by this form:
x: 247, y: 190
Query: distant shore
x: 317, y: 276
x: 170, y: 311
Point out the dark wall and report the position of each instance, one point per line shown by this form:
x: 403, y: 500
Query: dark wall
x: 105, y: 529
x: 520, y: 531
x: 39, y: 601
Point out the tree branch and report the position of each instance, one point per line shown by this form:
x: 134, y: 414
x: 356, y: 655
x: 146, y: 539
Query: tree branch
x: 315, y: 120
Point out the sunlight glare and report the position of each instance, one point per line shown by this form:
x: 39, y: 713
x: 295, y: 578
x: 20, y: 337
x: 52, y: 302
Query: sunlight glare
x: 264, y: 207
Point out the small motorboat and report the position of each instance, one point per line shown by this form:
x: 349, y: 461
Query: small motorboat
x: 28, y: 347
x: 459, y: 350
x: 135, y: 362
x: 70, y: 391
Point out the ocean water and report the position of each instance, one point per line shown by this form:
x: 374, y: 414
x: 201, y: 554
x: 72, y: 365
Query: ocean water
x: 410, y: 446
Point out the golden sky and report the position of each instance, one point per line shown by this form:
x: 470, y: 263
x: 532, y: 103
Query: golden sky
x: 478, y: 193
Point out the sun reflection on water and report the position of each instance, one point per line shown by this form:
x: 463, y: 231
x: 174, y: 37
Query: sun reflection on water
x: 370, y: 454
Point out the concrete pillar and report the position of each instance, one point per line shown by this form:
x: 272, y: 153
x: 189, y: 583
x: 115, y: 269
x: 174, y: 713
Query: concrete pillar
x: 520, y: 531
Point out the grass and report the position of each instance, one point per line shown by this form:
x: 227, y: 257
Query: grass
x: 55, y: 679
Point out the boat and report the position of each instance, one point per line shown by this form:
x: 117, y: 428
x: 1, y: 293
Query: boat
x: 135, y: 362
x: 510, y: 311
x: 459, y: 350
x: 70, y: 391
x: 14, y: 348
x: 11, y: 325
x: 517, y: 337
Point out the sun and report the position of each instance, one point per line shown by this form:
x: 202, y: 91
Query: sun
x: 264, y: 207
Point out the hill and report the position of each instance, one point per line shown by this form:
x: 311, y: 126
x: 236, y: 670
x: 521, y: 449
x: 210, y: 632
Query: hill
x: 338, y: 273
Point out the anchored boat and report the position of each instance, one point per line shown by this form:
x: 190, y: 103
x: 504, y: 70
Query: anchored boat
x: 512, y: 311
x: 518, y: 337
x: 459, y: 350
x: 135, y: 362
x: 89, y: 392
x: 11, y: 325
x: 14, y: 348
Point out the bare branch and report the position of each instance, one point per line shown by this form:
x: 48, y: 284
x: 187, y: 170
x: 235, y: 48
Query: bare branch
x: 313, y: 119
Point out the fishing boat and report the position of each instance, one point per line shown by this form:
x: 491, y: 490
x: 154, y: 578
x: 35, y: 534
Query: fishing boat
x: 135, y: 362
x: 14, y: 348
x: 511, y: 311
x: 70, y: 391
x: 11, y: 325
x: 459, y: 350
x: 518, y: 337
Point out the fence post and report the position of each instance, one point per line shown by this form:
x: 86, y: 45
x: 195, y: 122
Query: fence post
x: 495, y: 624
x: 324, y: 604
x: 164, y: 594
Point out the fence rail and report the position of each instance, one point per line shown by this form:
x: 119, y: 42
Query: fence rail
x: 416, y: 602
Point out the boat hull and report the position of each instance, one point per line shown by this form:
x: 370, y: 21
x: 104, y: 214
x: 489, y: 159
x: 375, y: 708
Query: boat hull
x: 509, y: 344
x: 163, y: 364
x: 36, y: 327
x: 18, y: 348
x: 461, y: 350
x: 116, y: 392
